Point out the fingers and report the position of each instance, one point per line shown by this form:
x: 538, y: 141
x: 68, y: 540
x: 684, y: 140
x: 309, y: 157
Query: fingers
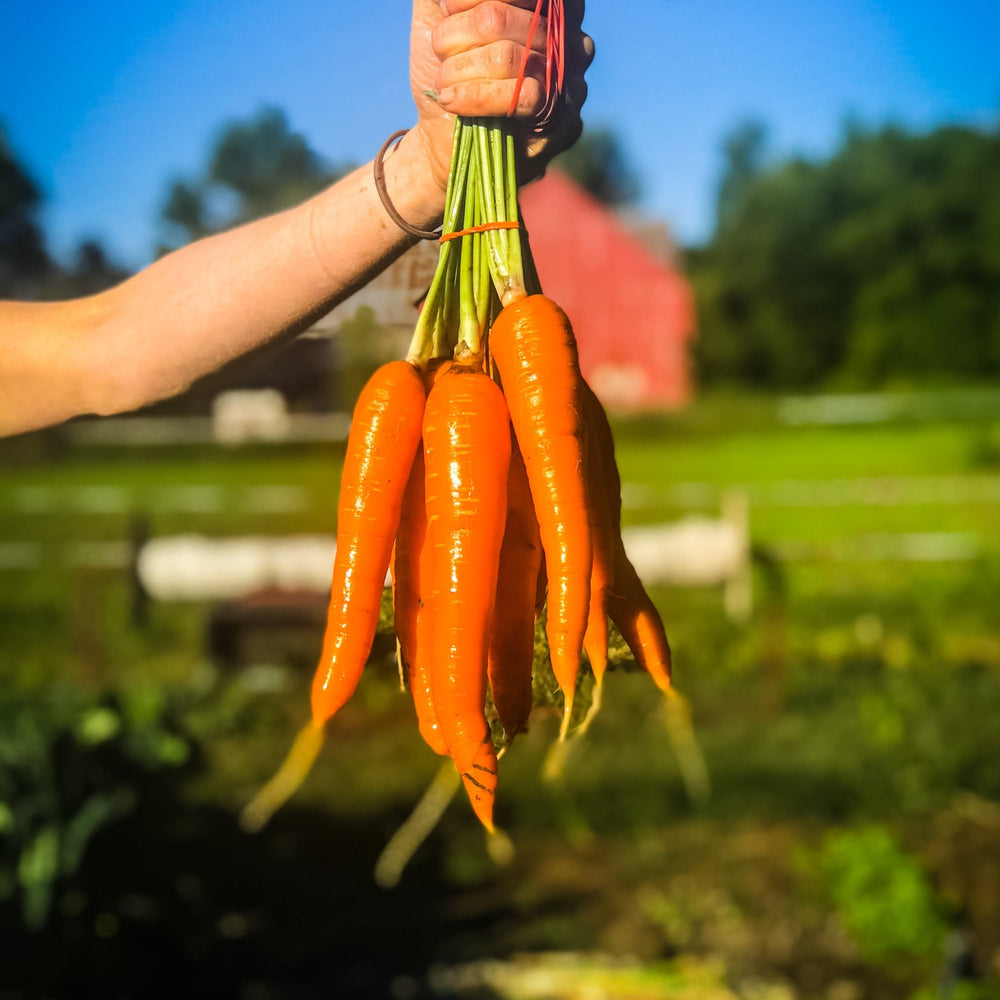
x: 486, y: 22
x: 496, y: 61
x: 573, y: 8
x: 491, y: 98
x: 483, y: 82
x: 501, y: 60
x: 481, y: 47
x: 457, y: 6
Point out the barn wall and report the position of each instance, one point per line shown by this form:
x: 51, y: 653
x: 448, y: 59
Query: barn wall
x: 632, y: 312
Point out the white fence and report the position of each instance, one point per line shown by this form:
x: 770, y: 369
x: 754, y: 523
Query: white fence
x: 695, y: 551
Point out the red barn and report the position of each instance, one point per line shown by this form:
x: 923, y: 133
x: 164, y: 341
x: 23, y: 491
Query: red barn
x: 631, y: 308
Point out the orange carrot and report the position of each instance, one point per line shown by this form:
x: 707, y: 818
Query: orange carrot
x: 512, y: 646
x: 466, y: 451
x: 633, y: 612
x: 410, y: 579
x: 629, y: 606
x: 383, y: 441
x: 541, y: 587
x: 411, y: 583
x: 533, y: 347
x: 595, y: 640
x: 604, y: 456
x: 381, y: 448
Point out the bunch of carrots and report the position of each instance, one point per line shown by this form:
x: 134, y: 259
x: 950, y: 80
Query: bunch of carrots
x: 480, y: 472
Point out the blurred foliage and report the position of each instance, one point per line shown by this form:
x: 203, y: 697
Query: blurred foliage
x: 875, y: 267
x: 23, y: 259
x: 27, y: 271
x: 255, y: 167
x: 864, y: 693
x: 745, y: 151
x: 883, y: 896
x: 90, y: 271
x: 599, y: 163
x: 70, y: 766
x: 569, y: 976
x: 362, y: 345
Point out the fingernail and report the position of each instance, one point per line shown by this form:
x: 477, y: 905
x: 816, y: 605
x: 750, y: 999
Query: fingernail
x: 446, y: 95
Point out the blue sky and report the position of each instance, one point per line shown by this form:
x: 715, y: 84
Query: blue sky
x: 105, y: 102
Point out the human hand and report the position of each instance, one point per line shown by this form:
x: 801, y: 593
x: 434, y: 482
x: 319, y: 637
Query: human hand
x: 467, y: 54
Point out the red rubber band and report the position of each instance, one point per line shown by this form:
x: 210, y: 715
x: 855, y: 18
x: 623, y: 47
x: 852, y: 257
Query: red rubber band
x: 524, y: 59
x: 555, y: 61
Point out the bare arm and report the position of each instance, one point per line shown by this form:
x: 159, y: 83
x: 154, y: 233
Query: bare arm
x: 195, y: 309
x: 214, y: 300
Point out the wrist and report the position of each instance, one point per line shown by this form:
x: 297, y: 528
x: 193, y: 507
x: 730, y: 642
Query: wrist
x: 415, y: 180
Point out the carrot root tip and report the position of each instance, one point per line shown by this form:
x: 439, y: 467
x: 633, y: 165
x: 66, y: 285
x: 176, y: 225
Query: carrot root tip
x: 417, y: 827
x: 595, y: 707
x: 690, y: 760
x: 401, y: 666
x: 567, y: 717
x: 480, y: 782
x: 286, y: 781
x: 500, y: 847
x: 555, y: 762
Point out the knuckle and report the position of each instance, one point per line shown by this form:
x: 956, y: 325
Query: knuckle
x: 439, y: 39
x: 504, y: 58
x: 469, y: 97
x: 490, y: 20
x: 451, y: 72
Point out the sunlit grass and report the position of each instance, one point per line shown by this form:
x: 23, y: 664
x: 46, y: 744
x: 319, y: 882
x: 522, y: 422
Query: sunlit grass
x: 863, y: 690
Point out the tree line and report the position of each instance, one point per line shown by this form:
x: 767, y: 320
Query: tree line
x: 874, y: 267
x: 27, y: 269
x: 254, y: 167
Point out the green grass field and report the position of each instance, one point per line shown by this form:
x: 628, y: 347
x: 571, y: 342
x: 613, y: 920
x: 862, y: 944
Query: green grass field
x: 850, y: 847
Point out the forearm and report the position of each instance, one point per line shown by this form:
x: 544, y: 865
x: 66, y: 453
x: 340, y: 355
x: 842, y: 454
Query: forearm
x: 198, y: 308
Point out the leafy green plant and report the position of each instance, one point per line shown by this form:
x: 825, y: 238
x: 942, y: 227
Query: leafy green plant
x: 883, y: 896
x: 69, y: 767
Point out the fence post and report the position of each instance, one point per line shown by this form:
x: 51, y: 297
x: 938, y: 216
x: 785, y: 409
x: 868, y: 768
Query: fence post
x: 737, y: 590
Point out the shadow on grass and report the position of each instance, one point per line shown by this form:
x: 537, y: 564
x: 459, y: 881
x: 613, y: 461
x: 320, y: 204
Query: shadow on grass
x: 178, y: 902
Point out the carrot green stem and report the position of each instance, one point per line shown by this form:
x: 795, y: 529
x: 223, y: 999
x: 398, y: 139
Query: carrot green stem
x: 428, y: 334
x: 496, y: 179
x: 499, y: 193
x: 487, y: 293
x: 517, y: 239
x: 469, y: 332
x: 481, y: 268
x: 482, y: 189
